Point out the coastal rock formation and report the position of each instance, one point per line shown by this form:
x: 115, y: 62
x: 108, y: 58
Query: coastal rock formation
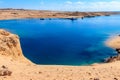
x: 115, y: 44
x: 10, y: 45
x: 113, y: 59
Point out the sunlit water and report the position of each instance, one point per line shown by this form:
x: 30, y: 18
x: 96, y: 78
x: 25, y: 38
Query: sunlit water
x: 65, y: 42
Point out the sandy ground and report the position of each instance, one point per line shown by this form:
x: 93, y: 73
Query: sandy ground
x: 113, y: 42
x: 29, y: 71
x: 25, y: 70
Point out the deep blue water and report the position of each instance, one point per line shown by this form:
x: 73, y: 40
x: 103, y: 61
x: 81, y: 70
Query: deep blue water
x: 65, y: 42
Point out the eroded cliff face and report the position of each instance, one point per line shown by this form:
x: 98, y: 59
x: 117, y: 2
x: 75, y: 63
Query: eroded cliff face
x: 10, y: 46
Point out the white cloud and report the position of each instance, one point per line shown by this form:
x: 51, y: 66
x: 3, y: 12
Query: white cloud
x: 41, y: 3
x: 68, y: 2
x: 79, y: 3
x: 93, y: 6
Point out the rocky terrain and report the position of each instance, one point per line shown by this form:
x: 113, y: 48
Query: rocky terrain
x: 10, y: 46
x: 22, y: 13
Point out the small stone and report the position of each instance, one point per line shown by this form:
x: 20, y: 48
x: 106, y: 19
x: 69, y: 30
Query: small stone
x: 40, y: 72
x: 4, y: 67
x: 4, y: 71
x: 89, y: 73
x: 96, y: 79
x: 115, y: 79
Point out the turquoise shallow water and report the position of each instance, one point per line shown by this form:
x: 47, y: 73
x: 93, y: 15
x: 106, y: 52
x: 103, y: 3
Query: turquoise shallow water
x: 65, y: 42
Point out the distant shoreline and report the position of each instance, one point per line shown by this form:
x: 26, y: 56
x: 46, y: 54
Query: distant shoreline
x: 9, y: 13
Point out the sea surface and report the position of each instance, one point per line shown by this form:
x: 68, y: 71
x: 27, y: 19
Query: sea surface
x: 65, y: 42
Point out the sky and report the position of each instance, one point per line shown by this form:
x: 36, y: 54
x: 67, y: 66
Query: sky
x: 63, y: 5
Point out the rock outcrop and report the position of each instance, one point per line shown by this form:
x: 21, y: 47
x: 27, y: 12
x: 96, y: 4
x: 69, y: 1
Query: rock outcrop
x: 113, y: 59
x: 4, y: 71
x: 115, y: 44
x: 10, y: 46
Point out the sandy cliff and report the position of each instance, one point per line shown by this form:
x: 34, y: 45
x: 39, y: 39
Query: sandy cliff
x: 10, y: 46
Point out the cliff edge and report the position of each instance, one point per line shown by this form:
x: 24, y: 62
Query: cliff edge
x: 10, y: 46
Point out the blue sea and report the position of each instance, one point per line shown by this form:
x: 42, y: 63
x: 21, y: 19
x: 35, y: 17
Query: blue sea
x: 65, y: 42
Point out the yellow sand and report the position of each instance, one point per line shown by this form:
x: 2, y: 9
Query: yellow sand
x: 113, y: 42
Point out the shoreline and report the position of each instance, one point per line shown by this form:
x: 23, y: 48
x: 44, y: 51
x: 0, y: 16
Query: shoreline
x: 70, y: 16
x: 114, y: 43
x: 22, y: 13
x: 23, y: 70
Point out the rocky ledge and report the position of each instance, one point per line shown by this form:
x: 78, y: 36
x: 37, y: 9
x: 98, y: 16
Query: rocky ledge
x: 112, y: 59
x: 10, y: 46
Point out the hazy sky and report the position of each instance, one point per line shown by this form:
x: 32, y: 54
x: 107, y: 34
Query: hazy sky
x: 64, y: 5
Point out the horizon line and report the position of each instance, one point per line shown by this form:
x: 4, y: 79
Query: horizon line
x: 51, y: 10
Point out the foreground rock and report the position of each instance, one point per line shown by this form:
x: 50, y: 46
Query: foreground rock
x: 10, y: 46
x: 113, y: 59
x: 4, y: 71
